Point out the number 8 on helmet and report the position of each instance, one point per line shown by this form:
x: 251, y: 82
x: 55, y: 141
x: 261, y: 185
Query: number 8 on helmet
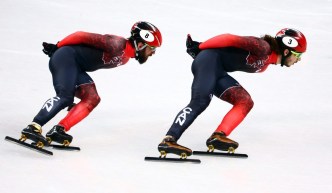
x: 146, y: 33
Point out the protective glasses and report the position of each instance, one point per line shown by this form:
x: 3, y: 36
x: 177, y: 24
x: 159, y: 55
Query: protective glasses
x: 153, y: 48
x: 296, y: 54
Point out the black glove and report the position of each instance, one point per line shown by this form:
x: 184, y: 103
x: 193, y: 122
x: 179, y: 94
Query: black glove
x: 49, y: 49
x: 192, y: 47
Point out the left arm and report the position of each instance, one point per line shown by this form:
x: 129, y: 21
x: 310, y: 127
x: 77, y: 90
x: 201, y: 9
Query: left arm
x: 252, y: 44
x: 90, y: 39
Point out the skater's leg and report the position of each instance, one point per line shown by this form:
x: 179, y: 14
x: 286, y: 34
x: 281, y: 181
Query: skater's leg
x: 205, y: 71
x: 64, y: 73
x: 87, y: 92
x: 89, y: 100
x: 231, y: 91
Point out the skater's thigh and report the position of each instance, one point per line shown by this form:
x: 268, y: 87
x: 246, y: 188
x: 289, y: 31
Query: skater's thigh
x: 223, y: 84
x: 83, y: 78
x: 206, y: 71
x: 65, y: 71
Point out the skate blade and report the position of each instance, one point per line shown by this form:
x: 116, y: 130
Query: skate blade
x: 177, y: 160
x: 224, y: 154
x: 63, y: 147
x: 29, y: 146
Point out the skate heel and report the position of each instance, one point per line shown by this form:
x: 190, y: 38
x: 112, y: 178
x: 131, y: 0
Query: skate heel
x: 211, y: 149
x: 183, y: 155
x: 63, y: 142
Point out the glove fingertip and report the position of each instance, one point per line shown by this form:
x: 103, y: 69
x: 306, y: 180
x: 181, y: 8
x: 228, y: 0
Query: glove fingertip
x: 189, y: 41
x: 189, y: 37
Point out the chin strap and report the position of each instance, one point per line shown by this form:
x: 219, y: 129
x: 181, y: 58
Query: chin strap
x: 138, y: 49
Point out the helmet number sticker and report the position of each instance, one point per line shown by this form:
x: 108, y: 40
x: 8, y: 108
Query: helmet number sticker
x: 290, y: 41
x: 146, y: 35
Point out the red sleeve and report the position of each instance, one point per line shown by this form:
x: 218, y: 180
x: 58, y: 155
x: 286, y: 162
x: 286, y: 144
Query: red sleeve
x: 252, y: 44
x: 90, y: 39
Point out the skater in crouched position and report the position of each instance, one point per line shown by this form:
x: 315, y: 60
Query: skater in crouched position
x: 70, y: 60
x: 213, y: 59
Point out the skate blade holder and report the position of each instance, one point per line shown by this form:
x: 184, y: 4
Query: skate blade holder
x: 23, y: 138
x: 230, y: 150
x: 39, y: 144
x: 65, y: 143
x: 182, y: 159
x: 163, y: 155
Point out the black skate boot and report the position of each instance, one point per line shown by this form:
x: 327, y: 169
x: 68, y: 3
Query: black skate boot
x: 34, y: 133
x: 169, y: 145
x: 218, y: 140
x: 58, y: 134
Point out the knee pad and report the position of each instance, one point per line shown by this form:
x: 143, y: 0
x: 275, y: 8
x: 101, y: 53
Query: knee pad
x: 88, y: 95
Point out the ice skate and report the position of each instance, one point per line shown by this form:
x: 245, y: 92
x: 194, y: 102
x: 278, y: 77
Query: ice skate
x: 169, y: 145
x: 34, y: 133
x: 58, y: 134
x: 219, y: 141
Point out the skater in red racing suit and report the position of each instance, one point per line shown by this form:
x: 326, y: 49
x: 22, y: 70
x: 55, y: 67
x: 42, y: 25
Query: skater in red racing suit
x: 70, y: 60
x: 213, y: 60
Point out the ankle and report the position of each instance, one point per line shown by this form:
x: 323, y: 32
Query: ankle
x: 219, y: 133
x: 37, y: 126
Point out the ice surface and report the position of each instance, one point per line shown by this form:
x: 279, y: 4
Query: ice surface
x: 287, y: 135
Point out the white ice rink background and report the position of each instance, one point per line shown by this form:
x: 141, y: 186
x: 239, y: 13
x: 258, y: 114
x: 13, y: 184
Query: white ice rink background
x: 287, y: 135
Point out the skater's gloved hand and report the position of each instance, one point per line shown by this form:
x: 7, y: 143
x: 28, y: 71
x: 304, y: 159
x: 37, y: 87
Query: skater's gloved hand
x: 192, y: 47
x: 49, y: 48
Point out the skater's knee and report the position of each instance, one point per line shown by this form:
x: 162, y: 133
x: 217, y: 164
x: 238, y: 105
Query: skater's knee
x: 91, y: 101
x: 245, y: 100
x: 199, y: 104
x: 66, y: 98
x: 66, y: 101
x: 57, y: 103
x: 250, y: 103
x: 238, y: 96
x: 203, y: 105
x: 246, y: 105
x: 88, y: 95
x: 95, y: 101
